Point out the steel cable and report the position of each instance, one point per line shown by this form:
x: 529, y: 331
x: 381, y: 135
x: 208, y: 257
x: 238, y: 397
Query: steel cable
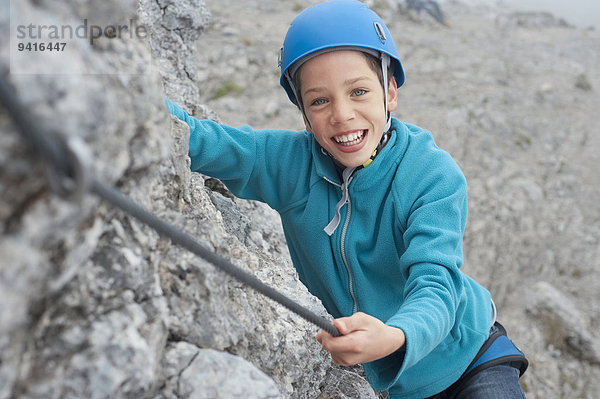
x: 66, y: 162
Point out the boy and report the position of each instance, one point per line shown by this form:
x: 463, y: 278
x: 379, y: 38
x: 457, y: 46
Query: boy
x: 373, y: 211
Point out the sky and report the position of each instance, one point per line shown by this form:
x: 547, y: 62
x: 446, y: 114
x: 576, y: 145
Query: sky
x: 581, y: 13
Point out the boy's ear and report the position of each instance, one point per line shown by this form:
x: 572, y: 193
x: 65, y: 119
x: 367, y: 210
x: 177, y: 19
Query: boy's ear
x: 392, y: 95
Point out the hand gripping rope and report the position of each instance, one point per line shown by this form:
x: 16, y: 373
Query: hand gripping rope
x: 69, y: 178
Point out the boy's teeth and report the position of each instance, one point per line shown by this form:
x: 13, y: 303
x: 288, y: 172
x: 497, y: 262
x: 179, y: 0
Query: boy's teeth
x: 349, y: 138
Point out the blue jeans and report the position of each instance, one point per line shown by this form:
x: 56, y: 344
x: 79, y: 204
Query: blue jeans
x: 497, y: 382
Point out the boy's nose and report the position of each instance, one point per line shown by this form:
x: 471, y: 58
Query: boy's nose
x: 341, y: 112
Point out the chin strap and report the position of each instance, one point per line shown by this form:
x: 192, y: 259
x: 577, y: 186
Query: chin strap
x: 382, y: 143
x: 371, y: 158
x: 385, y: 63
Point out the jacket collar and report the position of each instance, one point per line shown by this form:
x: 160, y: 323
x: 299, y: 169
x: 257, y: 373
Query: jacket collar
x: 370, y: 176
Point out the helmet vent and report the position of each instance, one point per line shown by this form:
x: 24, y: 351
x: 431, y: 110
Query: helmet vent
x: 280, y: 58
x: 380, y: 31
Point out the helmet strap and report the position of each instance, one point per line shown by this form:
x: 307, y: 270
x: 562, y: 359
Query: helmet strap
x: 296, y: 97
x: 385, y: 63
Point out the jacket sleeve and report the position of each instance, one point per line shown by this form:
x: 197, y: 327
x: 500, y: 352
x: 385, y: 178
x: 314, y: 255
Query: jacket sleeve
x: 253, y: 164
x: 435, y: 200
x: 434, y: 288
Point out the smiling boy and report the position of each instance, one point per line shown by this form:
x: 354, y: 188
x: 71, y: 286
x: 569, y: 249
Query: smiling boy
x: 373, y: 213
x: 343, y: 102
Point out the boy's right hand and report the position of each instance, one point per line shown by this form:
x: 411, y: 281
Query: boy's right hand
x: 364, y: 339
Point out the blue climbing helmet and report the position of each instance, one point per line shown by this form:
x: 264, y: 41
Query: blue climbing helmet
x: 336, y: 25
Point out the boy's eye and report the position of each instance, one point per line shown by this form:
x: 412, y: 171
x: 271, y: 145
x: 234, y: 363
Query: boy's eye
x: 319, y: 101
x: 359, y: 92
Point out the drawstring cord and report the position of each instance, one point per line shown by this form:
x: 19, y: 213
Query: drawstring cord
x: 335, y: 222
x: 346, y: 176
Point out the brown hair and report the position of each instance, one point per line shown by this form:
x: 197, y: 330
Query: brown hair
x: 373, y: 62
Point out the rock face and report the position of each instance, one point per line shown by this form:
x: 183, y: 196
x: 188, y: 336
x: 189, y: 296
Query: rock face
x: 93, y: 304
x: 96, y: 305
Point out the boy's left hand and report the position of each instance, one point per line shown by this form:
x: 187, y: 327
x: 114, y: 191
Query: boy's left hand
x: 364, y: 339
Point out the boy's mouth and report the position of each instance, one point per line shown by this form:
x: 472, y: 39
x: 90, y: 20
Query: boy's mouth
x: 350, y: 138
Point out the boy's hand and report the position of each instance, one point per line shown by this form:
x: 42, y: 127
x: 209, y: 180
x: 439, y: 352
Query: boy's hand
x: 364, y: 339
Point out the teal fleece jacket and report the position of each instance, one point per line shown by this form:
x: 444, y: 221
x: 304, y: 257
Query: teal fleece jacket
x: 396, y: 254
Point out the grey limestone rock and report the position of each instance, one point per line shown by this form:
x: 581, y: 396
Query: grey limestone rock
x: 191, y: 372
x: 564, y: 326
x: 94, y: 304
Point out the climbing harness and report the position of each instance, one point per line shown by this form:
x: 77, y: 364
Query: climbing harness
x: 70, y: 179
x: 497, y: 349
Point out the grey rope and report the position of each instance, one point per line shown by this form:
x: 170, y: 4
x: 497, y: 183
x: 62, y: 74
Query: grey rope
x: 64, y: 158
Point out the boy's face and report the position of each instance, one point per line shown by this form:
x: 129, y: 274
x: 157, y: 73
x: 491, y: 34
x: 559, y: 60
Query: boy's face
x: 343, y: 101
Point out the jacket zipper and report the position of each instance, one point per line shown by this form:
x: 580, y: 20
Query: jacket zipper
x: 342, y: 242
x: 342, y: 245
